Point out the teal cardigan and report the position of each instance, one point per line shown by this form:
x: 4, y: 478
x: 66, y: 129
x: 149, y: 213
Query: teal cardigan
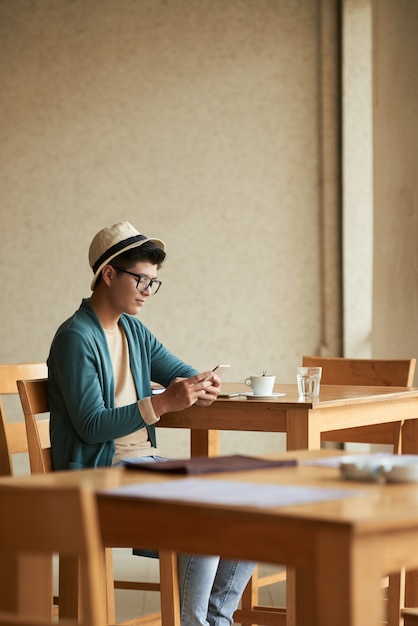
x: 84, y: 421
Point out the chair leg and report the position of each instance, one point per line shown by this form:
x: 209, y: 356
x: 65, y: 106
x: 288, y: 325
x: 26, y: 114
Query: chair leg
x: 249, y: 600
x: 396, y: 596
x: 34, y: 572
x: 250, y: 595
x: 251, y: 612
x: 68, y: 589
x: 397, y: 437
x: 110, y: 591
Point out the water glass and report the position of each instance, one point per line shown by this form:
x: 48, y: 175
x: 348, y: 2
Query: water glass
x: 309, y: 380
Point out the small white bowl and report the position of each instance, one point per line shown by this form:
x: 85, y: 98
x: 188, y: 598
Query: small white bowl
x: 403, y: 469
x: 355, y: 468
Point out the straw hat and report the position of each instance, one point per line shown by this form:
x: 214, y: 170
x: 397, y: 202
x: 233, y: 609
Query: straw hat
x: 112, y: 241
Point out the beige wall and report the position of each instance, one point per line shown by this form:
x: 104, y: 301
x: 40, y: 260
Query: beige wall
x: 357, y: 157
x: 213, y: 125
x: 395, y: 294
x: 380, y: 188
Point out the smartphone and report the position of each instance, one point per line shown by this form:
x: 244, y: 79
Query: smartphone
x: 220, y: 369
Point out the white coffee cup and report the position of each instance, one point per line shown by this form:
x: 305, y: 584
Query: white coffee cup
x: 261, y: 385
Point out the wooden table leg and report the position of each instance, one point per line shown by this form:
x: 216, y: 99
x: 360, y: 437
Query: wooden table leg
x: 204, y: 442
x: 410, y: 446
x: 170, y: 595
x: 302, y: 430
x: 348, y: 581
x: 291, y: 596
x: 300, y: 434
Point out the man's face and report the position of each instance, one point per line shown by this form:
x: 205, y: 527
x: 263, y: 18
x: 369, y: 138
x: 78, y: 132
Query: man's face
x: 124, y: 294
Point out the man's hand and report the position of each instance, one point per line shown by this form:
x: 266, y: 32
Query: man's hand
x: 211, y: 392
x: 201, y: 389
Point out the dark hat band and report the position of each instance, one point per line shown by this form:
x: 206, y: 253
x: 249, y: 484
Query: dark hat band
x: 118, y: 247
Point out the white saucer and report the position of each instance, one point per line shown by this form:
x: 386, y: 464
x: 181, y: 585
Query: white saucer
x: 250, y: 394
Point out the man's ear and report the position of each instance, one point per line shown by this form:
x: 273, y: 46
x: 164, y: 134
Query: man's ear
x: 108, y: 272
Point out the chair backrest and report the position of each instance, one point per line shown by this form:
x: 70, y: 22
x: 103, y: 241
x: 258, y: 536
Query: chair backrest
x: 34, y: 398
x: 13, y: 438
x: 367, y: 372
x: 44, y: 519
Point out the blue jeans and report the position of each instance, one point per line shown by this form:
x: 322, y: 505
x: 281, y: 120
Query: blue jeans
x: 210, y: 587
x: 143, y: 459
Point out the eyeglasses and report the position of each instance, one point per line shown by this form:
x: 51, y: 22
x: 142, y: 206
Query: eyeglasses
x: 143, y: 281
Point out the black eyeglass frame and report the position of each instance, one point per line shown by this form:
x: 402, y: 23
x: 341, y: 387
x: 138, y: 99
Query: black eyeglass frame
x: 139, y: 277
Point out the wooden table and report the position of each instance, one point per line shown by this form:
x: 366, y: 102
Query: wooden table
x: 339, y: 548
x: 337, y: 408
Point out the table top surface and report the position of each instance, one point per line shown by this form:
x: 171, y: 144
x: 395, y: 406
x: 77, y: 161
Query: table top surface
x: 338, y: 406
x: 373, y: 506
x: 329, y: 394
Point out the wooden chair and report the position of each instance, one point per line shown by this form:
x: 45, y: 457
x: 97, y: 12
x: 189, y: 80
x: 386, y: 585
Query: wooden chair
x: 34, y: 399
x: 368, y: 372
x: 45, y: 520
x: 13, y: 433
x: 13, y: 442
x: 251, y: 611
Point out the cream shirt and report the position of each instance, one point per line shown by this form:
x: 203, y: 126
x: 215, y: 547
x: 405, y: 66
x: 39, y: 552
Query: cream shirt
x: 137, y: 443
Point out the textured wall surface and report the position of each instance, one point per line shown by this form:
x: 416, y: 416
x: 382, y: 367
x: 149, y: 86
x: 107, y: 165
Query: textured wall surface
x: 395, y: 297
x: 196, y: 121
x: 358, y: 177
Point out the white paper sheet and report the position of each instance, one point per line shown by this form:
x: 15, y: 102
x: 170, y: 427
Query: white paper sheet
x: 233, y: 493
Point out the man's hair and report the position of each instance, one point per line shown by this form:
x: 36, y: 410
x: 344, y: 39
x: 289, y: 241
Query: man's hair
x: 148, y: 252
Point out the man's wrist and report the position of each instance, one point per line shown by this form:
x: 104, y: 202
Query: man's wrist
x: 146, y: 408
